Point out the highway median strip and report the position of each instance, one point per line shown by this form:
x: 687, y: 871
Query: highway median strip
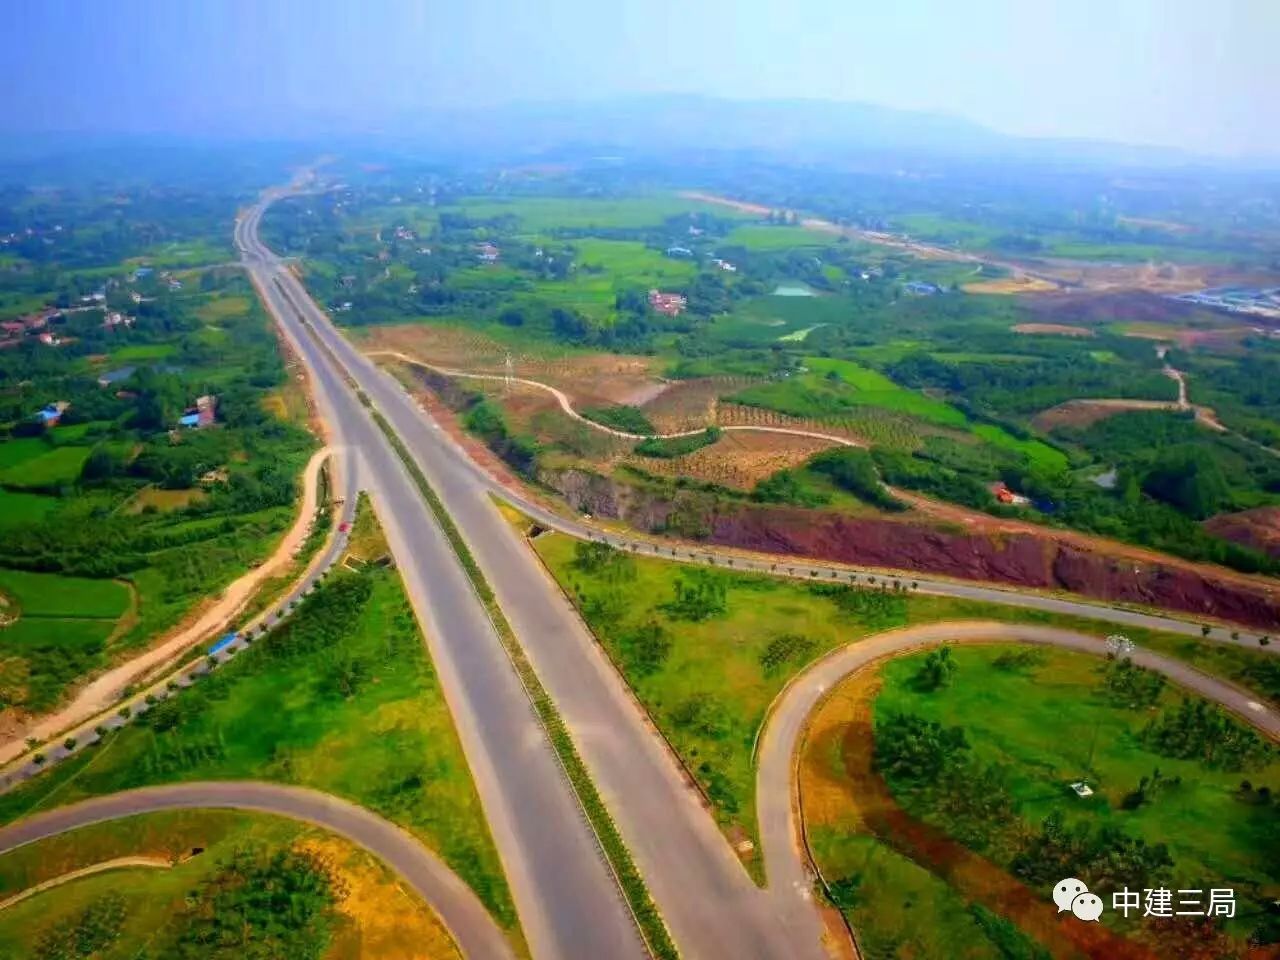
x: 649, y: 921
x: 653, y: 929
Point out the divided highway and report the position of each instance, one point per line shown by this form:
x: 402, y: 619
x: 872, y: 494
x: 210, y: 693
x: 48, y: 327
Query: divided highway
x: 568, y: 902
x: 706, y: 897
x: 708, y: 901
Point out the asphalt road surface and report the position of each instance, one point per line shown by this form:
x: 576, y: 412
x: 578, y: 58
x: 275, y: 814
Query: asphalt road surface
x: 705, y: 895
x: 707, y: 899
x: 458, y: 907
x: 568, y: 901
x: 789, y: 870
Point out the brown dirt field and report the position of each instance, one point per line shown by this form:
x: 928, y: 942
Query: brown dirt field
x: 857, y: 797
x: 1258, y: 528
x: 1010, y: 285
x: 1084, y: 413
x: 589, y: 379
x: 164, y: 500
x: 445, y: 345
x: 690, y: 404
x: 733, y: 415
x: 1061, y: 329
x: 738, y: 459
x: 1086, y: 309
x: 1220, y: 340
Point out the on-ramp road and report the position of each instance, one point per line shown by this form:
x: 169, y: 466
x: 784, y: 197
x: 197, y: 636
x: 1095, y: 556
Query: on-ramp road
x: 457, y: 905
x: 775, y: 777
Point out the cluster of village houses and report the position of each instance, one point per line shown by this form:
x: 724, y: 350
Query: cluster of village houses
x: 39, y: 325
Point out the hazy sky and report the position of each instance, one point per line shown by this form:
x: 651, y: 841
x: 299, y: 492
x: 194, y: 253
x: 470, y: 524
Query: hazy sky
x: 1200, y: 74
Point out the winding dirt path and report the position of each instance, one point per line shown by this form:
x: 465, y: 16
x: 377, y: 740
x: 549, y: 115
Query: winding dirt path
x: 791, y: 875
x: 119, y: 863
x: 566, y: 405
x: 106, y: 689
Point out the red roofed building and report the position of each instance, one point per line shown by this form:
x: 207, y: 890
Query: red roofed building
x: 669, y: 304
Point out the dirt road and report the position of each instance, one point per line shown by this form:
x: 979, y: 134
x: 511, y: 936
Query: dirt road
x: 105, y: 690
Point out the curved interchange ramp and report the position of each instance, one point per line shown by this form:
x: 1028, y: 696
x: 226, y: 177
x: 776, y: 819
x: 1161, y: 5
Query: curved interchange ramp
x: 474, y: 931
x: 787, y: 865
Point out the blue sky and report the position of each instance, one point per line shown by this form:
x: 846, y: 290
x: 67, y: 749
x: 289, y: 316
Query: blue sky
x: 1199, y: 75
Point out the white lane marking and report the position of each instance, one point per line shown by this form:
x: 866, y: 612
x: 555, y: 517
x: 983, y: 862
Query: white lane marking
x: 1256, y: 707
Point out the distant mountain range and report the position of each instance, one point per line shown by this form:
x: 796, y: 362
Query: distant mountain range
x: 669, y: 127
x: 800, y: 130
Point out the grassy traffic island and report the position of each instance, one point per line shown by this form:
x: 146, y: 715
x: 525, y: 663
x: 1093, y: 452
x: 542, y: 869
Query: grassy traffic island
x: 938, y: 802
x: 342, y: 697
x: 208, y: 884
x: 707, y: 650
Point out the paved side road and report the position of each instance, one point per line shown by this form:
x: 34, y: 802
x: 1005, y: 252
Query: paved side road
x: 458, y: 907
x: 788, y: 871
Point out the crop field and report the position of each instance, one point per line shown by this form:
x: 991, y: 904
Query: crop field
x: 875, y: 389
x: 55, y: 595
x: 738, y: 459
x: 1037, y: 451
x: 14, y: 452
x: 164, y: 500
x: 689, y: 404
x: 543, y: 214
x: 375, y: 918
x: 218, y: 308
x: 61, y: 631
x: 143, y: 351
x: 761, y: 237
x: 17, y: 508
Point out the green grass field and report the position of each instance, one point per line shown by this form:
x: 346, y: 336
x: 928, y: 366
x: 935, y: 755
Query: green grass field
x: 143, y: 351
x: 710, y: 693
x: 14, y: 452
x: 218, y: 308
x: 54, y: 595
x: 54, y: 467
x: 355, y: 710
x: 379, y: 919
x: 1037, y: 451
x: 899, y: 908
x: 605, y: 268
x: 18, y: 508
x: 1047, y: 725
x: 766, y: 238
x: 541, y: 214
